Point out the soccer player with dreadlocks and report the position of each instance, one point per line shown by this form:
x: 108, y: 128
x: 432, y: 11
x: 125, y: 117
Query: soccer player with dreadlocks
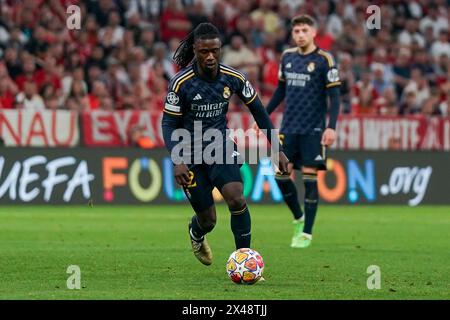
x: 200, y: 93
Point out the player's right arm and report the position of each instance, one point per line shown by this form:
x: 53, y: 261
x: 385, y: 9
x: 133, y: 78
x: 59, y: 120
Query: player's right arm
x: 280, y: 91
x: 172, y: 120
x: 332, y: 85
x: 277, y: 97
x: 249, y: 96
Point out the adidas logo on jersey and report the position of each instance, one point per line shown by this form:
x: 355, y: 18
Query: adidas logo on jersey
x: 318, y: 158
x: 289, y: 65
x: 198, y: 97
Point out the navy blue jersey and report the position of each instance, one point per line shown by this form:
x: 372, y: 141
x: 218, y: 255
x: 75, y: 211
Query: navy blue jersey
x: 199, y: 99
x: 194, y: 98
x: 307, y: 77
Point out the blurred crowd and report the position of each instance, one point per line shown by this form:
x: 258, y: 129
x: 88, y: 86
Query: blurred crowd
x: 121, y: 58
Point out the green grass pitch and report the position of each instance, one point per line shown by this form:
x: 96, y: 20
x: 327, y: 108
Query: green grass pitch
x: 143, y: 252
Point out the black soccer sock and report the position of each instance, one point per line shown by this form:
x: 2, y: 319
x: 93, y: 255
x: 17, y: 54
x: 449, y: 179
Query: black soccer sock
x: 197, y: 233
x: 290, y: 196
x: 311, y: 200
x: 241, y: 226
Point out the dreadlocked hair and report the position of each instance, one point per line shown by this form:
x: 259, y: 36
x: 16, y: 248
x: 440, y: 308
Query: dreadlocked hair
x: 185, y: 51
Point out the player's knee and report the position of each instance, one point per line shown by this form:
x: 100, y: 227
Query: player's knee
x: 287, y: 187
x: 311, y: 190
x: 234, y: 197
x: 282, y: 181
x: 207, y: 219
x: 236, y: 202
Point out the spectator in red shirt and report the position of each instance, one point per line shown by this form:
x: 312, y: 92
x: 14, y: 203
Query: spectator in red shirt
x: 444, y: 106
x: 78, y: 97
x: 386, y: 104
x: 7, y: 92
x: 174, y: 22
x: 98, y: 93
x: 268, y: 50
x: 25, y: 14
x: 365, y: 95
x: 159, y: 92
x: 91, y: 29
x: 51, y: 73
x: 323, y: 39
x: 8, y: 89
x: 29, y: 74
x: 270, y: 74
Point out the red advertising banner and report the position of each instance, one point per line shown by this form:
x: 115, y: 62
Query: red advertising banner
x: 46, y: 128
x: 101, y: 128
x: 60, y: 128
x: 109, y: 129
x: 393, y: 133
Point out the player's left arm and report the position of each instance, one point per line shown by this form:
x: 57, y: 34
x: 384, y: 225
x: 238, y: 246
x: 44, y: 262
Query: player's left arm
x: 250, y: 97
x: 171, y: 121
x: 333, y: 91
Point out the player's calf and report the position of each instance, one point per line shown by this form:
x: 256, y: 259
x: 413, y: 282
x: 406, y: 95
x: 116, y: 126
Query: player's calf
x: 311, y: 200
x: 241, y: 227
x: 290, y: 196
x: 240, y: 215
x: 198, y: 230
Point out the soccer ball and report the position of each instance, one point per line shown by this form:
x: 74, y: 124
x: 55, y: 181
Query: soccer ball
x: 245, y: 266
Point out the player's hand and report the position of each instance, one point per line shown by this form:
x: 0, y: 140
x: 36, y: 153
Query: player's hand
x: 283, y: 163
x: 328, y: 137
x: 181, y: 173
x: 256, y: 128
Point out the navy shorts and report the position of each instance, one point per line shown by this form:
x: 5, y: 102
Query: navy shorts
x: 304, y: 150
x: 204, y: 178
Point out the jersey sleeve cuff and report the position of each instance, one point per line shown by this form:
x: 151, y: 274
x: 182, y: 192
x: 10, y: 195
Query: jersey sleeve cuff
x: 333, y: 84
x: 252, y: 99
x: 173, y: 113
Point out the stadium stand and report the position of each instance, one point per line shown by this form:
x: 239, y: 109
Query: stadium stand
x: 121, y: 57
